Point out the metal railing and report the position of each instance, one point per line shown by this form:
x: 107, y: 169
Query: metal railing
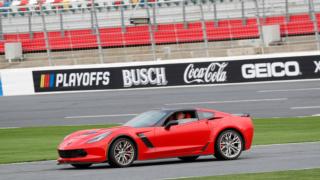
x: 102, y: 33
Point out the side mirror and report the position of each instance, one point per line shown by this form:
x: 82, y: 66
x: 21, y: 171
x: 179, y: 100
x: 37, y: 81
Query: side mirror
x: 171, y: 123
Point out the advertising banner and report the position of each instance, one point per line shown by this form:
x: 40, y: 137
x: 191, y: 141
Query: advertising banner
x: 179, y: 74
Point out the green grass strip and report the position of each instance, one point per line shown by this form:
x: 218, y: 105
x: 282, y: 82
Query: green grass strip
x: 286, y: 130
x: 40, y: 143
x: 305, y: 174
x: 34, y: 143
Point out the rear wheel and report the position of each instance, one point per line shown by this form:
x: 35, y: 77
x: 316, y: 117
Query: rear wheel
x: 189, y: 158
x: 81, y: 166
x: 229, y: 145
x: 122, y: 153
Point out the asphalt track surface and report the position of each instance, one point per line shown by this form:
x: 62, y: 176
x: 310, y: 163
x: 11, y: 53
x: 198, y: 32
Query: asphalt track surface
x: 281, y: 99
x: 284, y: 99
x: 259, y: 159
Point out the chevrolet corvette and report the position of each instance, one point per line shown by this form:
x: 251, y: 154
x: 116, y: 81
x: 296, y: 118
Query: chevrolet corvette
x: 165, y: 133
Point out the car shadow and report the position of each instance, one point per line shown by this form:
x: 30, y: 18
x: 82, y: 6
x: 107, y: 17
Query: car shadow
x: 147, y: 163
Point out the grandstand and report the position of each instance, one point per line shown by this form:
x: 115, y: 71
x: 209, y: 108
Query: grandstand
x: 56, y: 32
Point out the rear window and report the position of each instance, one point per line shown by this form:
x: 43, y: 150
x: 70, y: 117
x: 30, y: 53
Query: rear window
x: 205, y: 115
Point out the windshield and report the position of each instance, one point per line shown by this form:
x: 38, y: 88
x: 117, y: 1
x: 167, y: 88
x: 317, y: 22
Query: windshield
x: 146, y: 119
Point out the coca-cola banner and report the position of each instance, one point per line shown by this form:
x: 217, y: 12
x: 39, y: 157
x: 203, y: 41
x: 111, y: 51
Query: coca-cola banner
x: 178, y: 74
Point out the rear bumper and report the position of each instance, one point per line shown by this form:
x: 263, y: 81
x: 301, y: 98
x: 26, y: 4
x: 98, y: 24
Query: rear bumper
x: 249, y: 133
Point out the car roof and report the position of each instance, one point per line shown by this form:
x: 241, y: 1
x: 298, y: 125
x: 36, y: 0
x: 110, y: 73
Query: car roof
x: 177, y: 109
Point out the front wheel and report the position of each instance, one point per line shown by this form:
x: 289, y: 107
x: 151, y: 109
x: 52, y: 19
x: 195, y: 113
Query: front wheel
x: 189, y: 158
x: 229, y: 145
x: 122, y: 153
x: 81, y: 166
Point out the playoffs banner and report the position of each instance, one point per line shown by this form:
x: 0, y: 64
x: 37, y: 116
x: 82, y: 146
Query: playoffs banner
x: 197, y: 73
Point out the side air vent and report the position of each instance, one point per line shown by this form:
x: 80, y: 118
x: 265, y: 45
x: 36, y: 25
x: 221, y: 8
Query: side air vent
x: 145, y: 140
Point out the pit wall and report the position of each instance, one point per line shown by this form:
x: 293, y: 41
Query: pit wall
x: 160, y: 74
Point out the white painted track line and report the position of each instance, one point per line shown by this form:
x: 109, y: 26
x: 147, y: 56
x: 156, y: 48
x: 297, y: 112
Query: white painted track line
x: 177, y: 104
x: 182, y: 86
x: 231, y: 101
x: 99, y: 116
x: 9, y: 127
x: 305, y: 107
x: 287, y: 90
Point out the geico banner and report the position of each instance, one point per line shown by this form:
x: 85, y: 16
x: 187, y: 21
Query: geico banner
x: 197, y: 73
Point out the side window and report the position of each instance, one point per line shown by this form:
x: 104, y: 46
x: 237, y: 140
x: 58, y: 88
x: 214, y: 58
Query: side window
x: 183, y: 117
x: 205, y: 115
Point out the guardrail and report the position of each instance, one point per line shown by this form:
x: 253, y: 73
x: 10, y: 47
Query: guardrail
x: 187, y: 72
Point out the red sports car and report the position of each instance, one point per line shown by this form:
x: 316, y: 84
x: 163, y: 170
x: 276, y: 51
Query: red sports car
x: 183, y: 133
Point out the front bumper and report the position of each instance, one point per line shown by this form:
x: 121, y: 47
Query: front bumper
x: 78, y: 156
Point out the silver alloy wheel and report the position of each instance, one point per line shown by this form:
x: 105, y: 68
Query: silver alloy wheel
x: 124, y: 152
x: 230, y: 144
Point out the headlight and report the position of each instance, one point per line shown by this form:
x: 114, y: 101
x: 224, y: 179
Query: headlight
x: 99, y: 137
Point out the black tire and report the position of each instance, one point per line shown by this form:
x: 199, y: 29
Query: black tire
x: 188, y: 158
x: 81, y: 166
x: 130, y: 153
x: 223, y: 148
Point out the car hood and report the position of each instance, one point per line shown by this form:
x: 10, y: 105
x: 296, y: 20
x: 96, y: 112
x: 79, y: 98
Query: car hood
x: 83, y: 136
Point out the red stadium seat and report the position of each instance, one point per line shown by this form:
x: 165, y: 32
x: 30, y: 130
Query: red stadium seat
x: 166, y: 33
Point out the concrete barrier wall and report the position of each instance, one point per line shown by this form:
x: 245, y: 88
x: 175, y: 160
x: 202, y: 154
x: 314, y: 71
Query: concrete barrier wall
x: 17, y: 82
x: 1, y: 93
x: 159, y: 74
